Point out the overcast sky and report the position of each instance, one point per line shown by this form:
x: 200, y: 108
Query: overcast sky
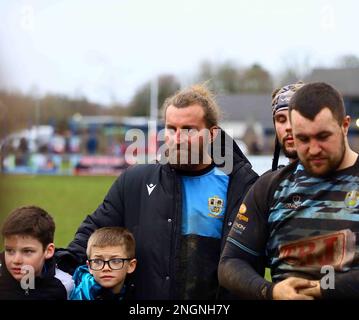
x: 104, y: 50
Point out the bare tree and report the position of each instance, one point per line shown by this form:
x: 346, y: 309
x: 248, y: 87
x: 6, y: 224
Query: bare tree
x: 256, y: 80
x: 348, y: 61
x: 140, y: 103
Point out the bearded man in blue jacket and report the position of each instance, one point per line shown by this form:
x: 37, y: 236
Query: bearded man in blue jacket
x: 180, y: 209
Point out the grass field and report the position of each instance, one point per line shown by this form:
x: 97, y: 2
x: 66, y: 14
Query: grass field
x: 68, y: 199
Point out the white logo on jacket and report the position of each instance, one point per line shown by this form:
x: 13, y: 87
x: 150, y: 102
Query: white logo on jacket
x: 150, y: 188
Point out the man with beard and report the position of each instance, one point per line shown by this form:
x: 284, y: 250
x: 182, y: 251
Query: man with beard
x: 180, y: 212
x: 301, y: 221
x: 282, y: 126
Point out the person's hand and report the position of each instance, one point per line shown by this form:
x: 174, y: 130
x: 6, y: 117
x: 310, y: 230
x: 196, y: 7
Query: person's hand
x: 313, y: 291
x: 292, y: 289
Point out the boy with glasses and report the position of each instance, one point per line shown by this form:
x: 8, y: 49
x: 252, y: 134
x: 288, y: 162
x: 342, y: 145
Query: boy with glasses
x: 110, y: 252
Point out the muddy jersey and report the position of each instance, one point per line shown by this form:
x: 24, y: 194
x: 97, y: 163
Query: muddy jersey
x: 204, y: 205
x: 298, y: 223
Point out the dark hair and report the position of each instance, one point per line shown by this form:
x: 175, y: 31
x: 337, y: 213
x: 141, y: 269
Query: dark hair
x: 313, y: 97
x: 196, y: 94
x: 30, y: 221
x: 112, y: 236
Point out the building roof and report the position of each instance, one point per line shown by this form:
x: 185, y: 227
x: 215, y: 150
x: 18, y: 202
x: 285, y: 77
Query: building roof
x: 257, y: 107
x: 346, y: 80
x: 247, y: 108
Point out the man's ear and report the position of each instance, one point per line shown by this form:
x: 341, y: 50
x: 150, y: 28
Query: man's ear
x: 214, y: 131
x: 346, y: 124
x: 132, y: 265
x: 88, y: 266
x: 49, y: 251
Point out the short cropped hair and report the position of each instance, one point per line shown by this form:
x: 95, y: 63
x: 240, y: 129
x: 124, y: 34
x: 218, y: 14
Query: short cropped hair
x: 313, y: 97
x: 30, y: 221
x: 196, y: 94
x: 112, y: 236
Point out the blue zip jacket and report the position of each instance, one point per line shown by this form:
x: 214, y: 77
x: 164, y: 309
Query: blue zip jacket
x: 86, y: 288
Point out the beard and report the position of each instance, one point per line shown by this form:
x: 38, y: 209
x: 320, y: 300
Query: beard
x: 184, y: 158
x: 331, y: 162
x: 289, y: 152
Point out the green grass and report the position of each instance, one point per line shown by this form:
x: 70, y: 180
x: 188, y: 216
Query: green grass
x: 68, y: 199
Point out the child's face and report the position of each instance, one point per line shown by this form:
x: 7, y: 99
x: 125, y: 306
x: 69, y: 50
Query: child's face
x: 106, y: 277
x: 23, y: 251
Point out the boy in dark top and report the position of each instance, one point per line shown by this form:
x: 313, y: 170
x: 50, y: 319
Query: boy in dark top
x: 28, y: 270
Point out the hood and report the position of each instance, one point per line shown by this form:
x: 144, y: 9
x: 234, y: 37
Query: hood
x: 226, y: 154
